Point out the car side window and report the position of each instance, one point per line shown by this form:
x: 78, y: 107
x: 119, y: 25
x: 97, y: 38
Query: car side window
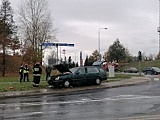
x: 81, y: 71
x: 92, y: 70
x: 101, y: 70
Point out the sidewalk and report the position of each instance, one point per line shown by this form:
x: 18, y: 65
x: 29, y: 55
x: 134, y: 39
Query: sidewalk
x: 106, y: 85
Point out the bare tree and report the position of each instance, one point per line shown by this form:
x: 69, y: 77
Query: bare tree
x: 35, y: 23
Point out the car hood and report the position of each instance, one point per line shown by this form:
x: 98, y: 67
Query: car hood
x: 61, y: 68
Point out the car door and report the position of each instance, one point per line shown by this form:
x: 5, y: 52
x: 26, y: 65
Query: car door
x: 149, y: 71
x: 92, y: 74
x: 80, y: 76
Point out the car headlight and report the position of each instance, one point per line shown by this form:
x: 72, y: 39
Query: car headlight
x: 48, y: 78
x: 57, y: 78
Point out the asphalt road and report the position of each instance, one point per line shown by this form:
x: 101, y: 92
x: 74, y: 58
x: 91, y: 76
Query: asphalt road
x: 124, y: 103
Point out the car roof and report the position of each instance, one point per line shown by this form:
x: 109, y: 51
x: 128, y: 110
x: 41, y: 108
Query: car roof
x: 61, y: 68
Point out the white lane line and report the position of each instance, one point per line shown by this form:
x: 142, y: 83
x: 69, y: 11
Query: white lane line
x: 114, y: 98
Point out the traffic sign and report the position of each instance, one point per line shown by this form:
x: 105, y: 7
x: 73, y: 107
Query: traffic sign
x: 57, y: 44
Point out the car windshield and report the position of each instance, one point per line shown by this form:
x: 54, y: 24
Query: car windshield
x: 97, y: 63
x: 133, y: 68
x: 73, y: 70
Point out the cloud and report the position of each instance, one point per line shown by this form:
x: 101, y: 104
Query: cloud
x: 133, y: 22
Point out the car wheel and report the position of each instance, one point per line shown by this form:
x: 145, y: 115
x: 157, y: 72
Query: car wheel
x: 67, y: 83
x: 155, y: 73
x: 98, y: 81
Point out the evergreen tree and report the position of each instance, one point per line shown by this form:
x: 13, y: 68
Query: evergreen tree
x: 94, y: 57
x: 116, y: 52
x: 77, y: 64
x: 86, y: 63
x: 7, y: 29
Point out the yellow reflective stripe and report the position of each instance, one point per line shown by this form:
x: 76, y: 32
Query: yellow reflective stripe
x: 37, y: 74
x: 25, y: 71
x: 36, y: 69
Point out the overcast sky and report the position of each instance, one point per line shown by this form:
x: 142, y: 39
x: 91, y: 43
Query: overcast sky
x: 133, y: 22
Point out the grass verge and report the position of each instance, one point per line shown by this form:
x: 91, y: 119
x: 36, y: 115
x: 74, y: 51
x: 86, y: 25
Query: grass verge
x: 8, y: 84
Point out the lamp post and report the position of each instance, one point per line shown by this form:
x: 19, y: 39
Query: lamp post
x: 99, y: 42
x: 158, y: 29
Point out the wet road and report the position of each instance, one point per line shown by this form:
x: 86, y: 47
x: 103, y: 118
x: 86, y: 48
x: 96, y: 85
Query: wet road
x: 107, y: 104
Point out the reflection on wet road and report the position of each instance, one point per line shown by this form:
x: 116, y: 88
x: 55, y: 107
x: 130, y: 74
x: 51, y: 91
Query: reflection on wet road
x: 90, y: 105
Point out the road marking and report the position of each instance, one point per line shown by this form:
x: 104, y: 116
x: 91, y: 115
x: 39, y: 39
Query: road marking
x: 82, y: 101
x: 156, y: 79
x: 147, y: 117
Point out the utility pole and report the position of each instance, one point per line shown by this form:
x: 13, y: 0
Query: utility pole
x: 99, y: 42
x: 158, y: 29
x: 139, y: 59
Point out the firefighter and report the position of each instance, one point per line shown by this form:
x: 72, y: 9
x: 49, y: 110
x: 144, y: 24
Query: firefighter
x: 26, y: 73
x: 37, y: 70
x: 21, y: 73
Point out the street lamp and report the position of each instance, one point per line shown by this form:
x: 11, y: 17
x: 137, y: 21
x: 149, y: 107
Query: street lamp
x: 99, y: 42
x: 158, y: 29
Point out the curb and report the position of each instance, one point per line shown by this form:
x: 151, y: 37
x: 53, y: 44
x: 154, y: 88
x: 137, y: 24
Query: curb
x: 106, y: 85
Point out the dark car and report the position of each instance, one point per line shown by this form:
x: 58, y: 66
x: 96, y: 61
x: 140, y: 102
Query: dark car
x: 131, y: 70
x: 77, y: 76
x: 105, y: 64
x: 151, y: 70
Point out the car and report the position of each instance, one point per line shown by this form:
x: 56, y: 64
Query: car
x: 151, y: 70
x: 131, y: 70
x: 105, y: 64
x: 85, y: 75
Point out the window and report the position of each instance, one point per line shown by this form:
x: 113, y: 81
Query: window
x: 101, y: 70
x: 81, y: 71
x: 92, y: 70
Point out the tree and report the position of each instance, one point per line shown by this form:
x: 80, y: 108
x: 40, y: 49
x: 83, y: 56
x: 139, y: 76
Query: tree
x: 129, y: 57
x: 86, y: 63
x: 158, y: 56
x: 7, y: 29
x: 105, y: 56
x: 69, y: 61
x: 15, y: 44
x: 35, y: 23
x: 94, y: 57
x: 116, y: 52
x: 77, y: 65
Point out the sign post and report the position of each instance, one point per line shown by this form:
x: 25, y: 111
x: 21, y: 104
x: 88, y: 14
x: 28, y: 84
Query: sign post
x: 140, y: 59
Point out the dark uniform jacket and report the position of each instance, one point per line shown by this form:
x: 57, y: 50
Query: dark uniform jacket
x: 37, y: 70
x: 21, y: 70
